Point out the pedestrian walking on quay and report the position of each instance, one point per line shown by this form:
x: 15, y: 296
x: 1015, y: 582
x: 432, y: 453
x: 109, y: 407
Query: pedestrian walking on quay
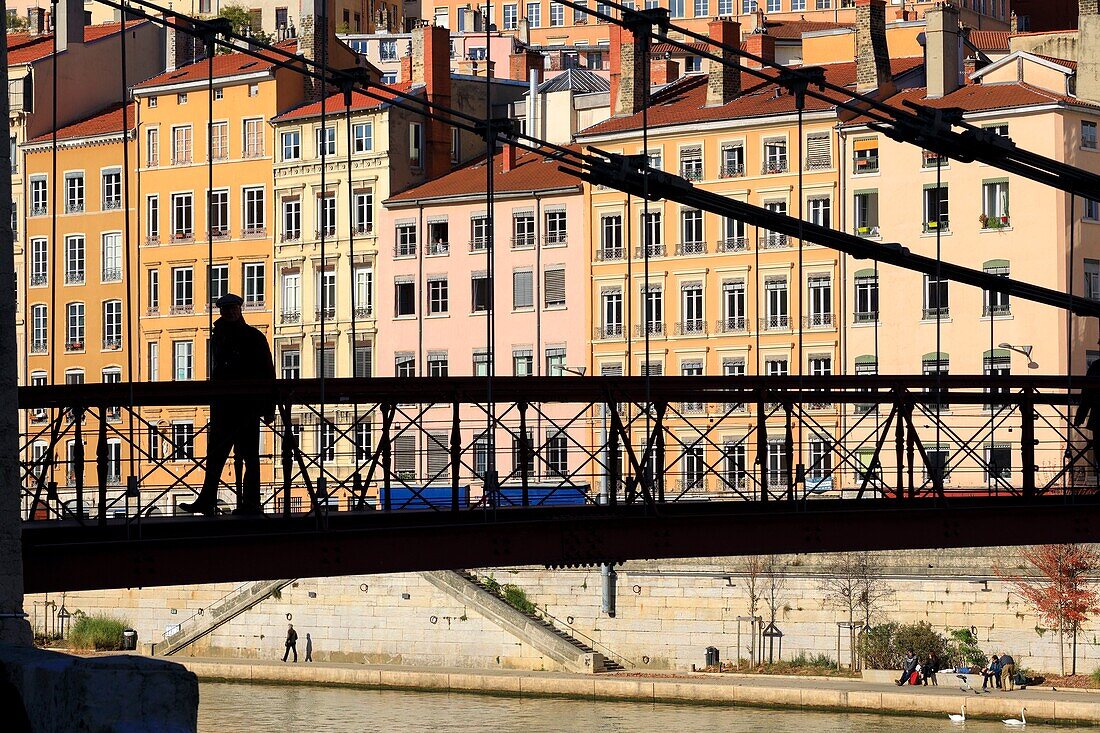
x: 1008, y: 672
x: 908, y: 667
x: 291, y: 643
x: 309, y: 648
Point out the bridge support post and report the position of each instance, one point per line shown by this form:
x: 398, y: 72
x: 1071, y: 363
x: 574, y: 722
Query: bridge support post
x: 1027, y: 442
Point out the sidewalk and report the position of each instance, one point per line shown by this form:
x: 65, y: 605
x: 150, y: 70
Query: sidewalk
x: 738, y: 689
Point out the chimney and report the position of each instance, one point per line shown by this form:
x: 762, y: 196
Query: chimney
x: 508, y: 158
x: 872, y: 55
x: 1088, y: 51
x: 663, y: 71
x: 36, y: 21
x: 69, y: 24
x: 316, y: 37
x: 724, y: 80
x: 520, y: 65
x: 180, y: 48
x: 406, y: 73
x: 431, y: 66
x: 1013, y: 23
x: 942, y: 51
x: 761, y: 45
x: 628, y: 53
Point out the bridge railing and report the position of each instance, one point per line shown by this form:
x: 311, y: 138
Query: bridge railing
x: 103, y: 451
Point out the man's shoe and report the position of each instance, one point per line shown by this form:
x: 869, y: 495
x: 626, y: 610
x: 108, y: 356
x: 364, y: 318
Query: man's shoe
x: 198, y: 507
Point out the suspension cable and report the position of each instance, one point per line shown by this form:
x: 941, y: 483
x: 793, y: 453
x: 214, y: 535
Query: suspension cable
x: 128, y: 275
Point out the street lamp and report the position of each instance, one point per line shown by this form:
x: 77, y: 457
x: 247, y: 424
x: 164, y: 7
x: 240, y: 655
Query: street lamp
x: 1023, y: 349
x: 576, y: 371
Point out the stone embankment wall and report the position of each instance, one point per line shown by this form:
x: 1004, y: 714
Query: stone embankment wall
x: 667, y: 613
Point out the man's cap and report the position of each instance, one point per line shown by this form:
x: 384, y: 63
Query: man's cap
x: 229, y: 299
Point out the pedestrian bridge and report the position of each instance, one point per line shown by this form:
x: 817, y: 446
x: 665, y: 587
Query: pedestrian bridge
x: 552, y: 471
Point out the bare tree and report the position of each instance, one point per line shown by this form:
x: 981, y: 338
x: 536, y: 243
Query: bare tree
x: 874, y: 590
x: 754, y: 567
x: 774, y: 580
x: 852, y: 583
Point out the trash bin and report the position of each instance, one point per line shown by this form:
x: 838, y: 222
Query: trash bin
x: 712, y: 656
x: 129, y: 640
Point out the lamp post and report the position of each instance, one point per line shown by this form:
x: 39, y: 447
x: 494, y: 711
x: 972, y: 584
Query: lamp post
x: 1022, y: 349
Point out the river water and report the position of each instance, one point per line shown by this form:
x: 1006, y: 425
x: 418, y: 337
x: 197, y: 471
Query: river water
x: 237, y: 708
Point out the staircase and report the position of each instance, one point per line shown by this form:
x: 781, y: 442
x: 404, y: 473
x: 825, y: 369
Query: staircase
x: 544, y: 624
x: 227, y: 608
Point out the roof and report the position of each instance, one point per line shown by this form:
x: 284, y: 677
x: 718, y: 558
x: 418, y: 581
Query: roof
x: 675, y: 50
x: 989, y: 41
x: 334, y: 104
x: 103, y: 122
x: 983, y: 98
x: 795, y: 28
x: 580, y: 81
x: 26, y: 48
x: 684, y: 101
x: 226, y: 64
x: 532, y: 172
x: 1068, y: 63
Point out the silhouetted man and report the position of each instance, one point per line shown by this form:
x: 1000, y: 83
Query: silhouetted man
x: 291, y: 643
x: 239, y: 353
x: 1088, y: 414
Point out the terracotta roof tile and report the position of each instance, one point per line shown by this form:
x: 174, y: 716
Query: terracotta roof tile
x: 684, y: 101
x: 24, y: 48
x: 1068, y: 63
x: 532, y: 172
x: 226, y: 64
x: 795, y: 28
x: 995, y: 41
x: 335, y: 103
x: 104, y: 122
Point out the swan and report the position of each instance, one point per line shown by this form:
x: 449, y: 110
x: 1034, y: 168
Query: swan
x: 1013, y: 723
x: 958, y: 718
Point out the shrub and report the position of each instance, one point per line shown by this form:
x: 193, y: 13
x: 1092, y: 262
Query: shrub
x: 963, y: 648
x: 1095, y: 676
x: 101, y: 633
x: 517, y: 598
x: 884, y: 646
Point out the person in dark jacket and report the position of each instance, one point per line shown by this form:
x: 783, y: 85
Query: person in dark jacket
x: 239, y: 353
x: 1088, y: 414
x: 1008, y: 673
x: 991, y: 675
x: 929, y: 668
x: 908, y: 666
x: 291, y: 643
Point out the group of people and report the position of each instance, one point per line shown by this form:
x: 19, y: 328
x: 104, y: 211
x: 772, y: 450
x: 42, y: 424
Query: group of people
x: 1000, y: 674
x: 916, y: 672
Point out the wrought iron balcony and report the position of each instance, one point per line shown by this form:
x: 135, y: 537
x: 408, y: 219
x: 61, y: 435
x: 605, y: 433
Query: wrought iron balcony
x: 865, y: 165
x: 362, y: 230
x: 930, y: 314
x: 654, y: 328
x: 291, y: 236
x: 37, y: 280
x: 364, y: 311
x: 697, y: 327
x: 733, y: 244
x: 691, y: 172
x: 325, y: 232
x: 404, y: 250
x: 732, y: 324
x: 327, y: 313
x: 931, y: 227
x: 253, y: 232
x: 772, y: 167
x: 112, y: 344
x: 253, y: 305
x: 74, y: 277
x: 865, y: 316
x: 39, y: 211
x: 609, y: 331
x: 610, y: 254
x: 655, y: 250
x: 219, y: 234
x: 112, y: 204
x: 819, y: 164
x: 39, y: 346
x: 818, y: 320
x: 112, y: 274
x: 522, y: 241
x: 185, y: 158
x: 994, y: 222
x: 774, y: 240
x: 152, y: 240
x: 731, y: 170
x: 555, y: 238
x: 183, y: 237
x: 290, y: 317
x: 775, y: 323
x: 74, y: 346
x: 181, y: 310
x: 438, y: 248
x: 693, y: 408
x: 997, y: 309
x: 479, y: 244
x: 74, y: 207
x: 691, y: 248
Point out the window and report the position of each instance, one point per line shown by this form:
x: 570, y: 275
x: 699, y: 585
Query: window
x: 733, y: 306
x: 1091, y: 210
x: 821, y: 365
x: 534, y: 18
x: 362, y: 137
x: 363, y: 295
x: 406, y: 240
x: 994, y: 204
x: 326, y: 141
x: 362, y: 440
x: 218, y: 277
x: 820, y: 469
x: 997, y: 364
x: 363, y: 212
x: 39, y: 329
x: 326, y: 441
x: 416, y: 139
x: 363, y: 360
x: 292, y: 145
x: 1088, y: 135
x: 153, y: 357
x: 326, y: 293
x: 691, y: 232
x: 733, y: 465
x: 511, y: 17
x: 324, y: 362
x: 183, y: 360
x: 523, y: 289
x: 776, y: 367
x: 387, y: 50
x: 404, y: 365
x: 774, y: 240
x: 254, y: 211
x: 676, y: 8
x: 183, y: 216
x: 819, y: 209
x: 181, y: 145
x: 154, y: 291
x: 74, y: 193
x: 152, y: 147
x: 183, y: 441
x: 748, y: 6
x: 557, y: 14
x: 181, y: 98
x: 292, y: 219
x: 775, y: 156
x: 74, y: 260
x: 479, y: 233
x: 253, y: 138
x: 39, y: 197
x: 733, y: 236
x: 437, y: 295
x: 936, y: 304
x: 931, y: 365
x: 775, y: 304
x: 866, y: 297
x: 725, y: 7
x: 437, y: 364
x: 481, y: 363
x: 692, y: 320
x: 996, y: 303
x: 773, y: 6
x: 691, y: 163
x: 702, y: 8
x: 112, y: 257
x: 820, y: 289
x: 935, y: 209
x: 523, y: 362
x: 39, y: 262
x: 866, y: 213
x: 611, y: 237
x: 998, y: 463
x: 557, y: 454
x: 555, y: 361
x: 404, y: 299
x: 556, y: 229
x: 798, y: 5
x: 479, y: 290
x: 580, y: 17
x: 733, y: 161
x: 865, y: 156
x: 112, y: 189
x: 523, y: 230
x: 291, y: 364
x: 219, y: 212
x: 255, y: 284
x: 152, y: 219
x: 611, y: 309
x: 653, y: 310
x: 553, y: 288
x: 183, y: 289
x: 326, y: 214
x: 292, y: 297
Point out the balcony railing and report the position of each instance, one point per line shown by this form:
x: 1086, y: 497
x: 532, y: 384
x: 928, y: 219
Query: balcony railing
x: 253, y: 305
x: 39, y: 347
x: 865, y: 316
x: 655, y: 250
x: 930, y: 159
x: 866, y: 165
x: 182, y: 310
x: 327, y: 313
x: 112, y: 274
x: 363, y: 230
x: 254, y: 232
x: 732, y: 324
x: 772, y: 167
x: 733, y: 244
x: 997, y: 309
x: 929, y: 314
x: 326, y: 232
x: 697, y: 327
x: 774, y: 240
x: 609, y: 331
x: 153, y: 310
x: 520, y: 241
x: 819, y: 164
x: 656, y: 328
x: 867, y: 231
x: 219, y: 234
x: 553, y: 238
x: 775, y: 323
x: 404, y: 250
x: 610, y: 254
x: 185, y: 158
x: 183, y: 237
x: 39, y: 211
x: 364, y: 311
x: 691, y: 172
x: 153, y: 161
x: 693, y: 408
x: 818, y: 320
x: 290, y: 317
x: 994, y: 222
x: 691, y: 248
x: 74, y: 346
x: 931, y: 227
x: 479, y: 244
x: 731, y: 170
x: 438, y: 248
x: 75, y: 277
x: 291, y: 236
x: 112, y: 204
x: 152, y: 240
x: 37, y: 280
x: 112, y: 344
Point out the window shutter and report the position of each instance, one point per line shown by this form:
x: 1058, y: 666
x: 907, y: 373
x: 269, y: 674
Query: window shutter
x: 818, y: 151
x: 611, y: 370
x: 523, y: 289
x: 438, y: 456
x: 404, y: 454
x: 363, y: 361
x: 554, y: 287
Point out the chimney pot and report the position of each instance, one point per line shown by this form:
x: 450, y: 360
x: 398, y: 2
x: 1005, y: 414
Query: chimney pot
x: 724, y: 79
x: 663, y: 71
x: 942, y: 51
x: 872, y: 54
x: 627, y: 55
x: 508, y: 158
